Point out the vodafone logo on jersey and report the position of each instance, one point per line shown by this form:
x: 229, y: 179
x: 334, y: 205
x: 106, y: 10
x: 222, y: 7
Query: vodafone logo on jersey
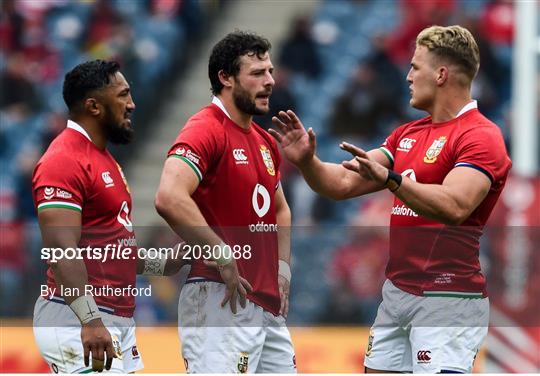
x: 406, y: 144
x: 409, y: 173
x: 239, y: 156
x: 261, y: 201
x: 262, y: 192
x: 123, y: 216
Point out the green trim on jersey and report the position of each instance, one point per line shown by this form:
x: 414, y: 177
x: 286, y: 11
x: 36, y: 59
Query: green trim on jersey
x: 59, y: 205
x: 87, y: 371
x: 454, y: 294
x: 190, y: 164
x: 387, y: 153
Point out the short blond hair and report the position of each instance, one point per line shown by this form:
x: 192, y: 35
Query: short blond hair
x: 454, y: 45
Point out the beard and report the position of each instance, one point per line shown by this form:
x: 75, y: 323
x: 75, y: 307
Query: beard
x: 116, y: 133
x: 244, y: 103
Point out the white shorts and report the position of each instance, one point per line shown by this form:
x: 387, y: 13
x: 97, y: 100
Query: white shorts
x: 58, y: 336
x: 426, y: 334
x: 214, y: 340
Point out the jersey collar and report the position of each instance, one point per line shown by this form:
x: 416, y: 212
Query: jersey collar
x: 219, y: 103
x: 469, y: 106
x: 76, y: 127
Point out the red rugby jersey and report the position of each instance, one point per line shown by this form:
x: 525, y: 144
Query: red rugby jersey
x: 238, y: 170
x: 75, y: 174
x: 427, y: 257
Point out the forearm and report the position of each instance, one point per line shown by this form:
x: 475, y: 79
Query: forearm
x: 186, y: 220
x: 327, y: 179
x: 283, y: 219
x: 70, y: 275
x: 432, y: 201
x: 335, y: 181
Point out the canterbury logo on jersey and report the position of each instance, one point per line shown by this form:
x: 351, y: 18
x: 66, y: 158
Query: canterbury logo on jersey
x: 406, y: 144
x: 423, y: 356
x: 239, y: 156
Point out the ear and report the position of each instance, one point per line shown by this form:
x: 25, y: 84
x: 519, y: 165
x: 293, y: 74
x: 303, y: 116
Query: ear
x: 442, y: 75
x: 225, y: 79
x: 92, y: 106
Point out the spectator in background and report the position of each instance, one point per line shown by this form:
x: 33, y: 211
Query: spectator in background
x: 497, y: 22
x: 417, y: 14
x: 11, y: 27
x: 18, y: 94
x: 372, y: 101
x: 101, y: 25
x: 299, y: 51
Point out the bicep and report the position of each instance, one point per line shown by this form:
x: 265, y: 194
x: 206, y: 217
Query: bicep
x: 467, y: 186
x: 178, y: 177
x: 60, y: 227
x: 280, y: 200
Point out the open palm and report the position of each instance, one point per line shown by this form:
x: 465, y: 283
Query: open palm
x: 298, y: 145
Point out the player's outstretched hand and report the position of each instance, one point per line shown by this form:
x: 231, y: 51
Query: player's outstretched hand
x: 96, y: 340
x: 363, y: 164
x: 298, y: 145
x: 236, y: 287
x: 284, y: 287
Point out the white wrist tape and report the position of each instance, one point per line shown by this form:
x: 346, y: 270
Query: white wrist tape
x: 154, y: 263
x: 223, y: 259
x: 85, y: 308
x: 284, y: 270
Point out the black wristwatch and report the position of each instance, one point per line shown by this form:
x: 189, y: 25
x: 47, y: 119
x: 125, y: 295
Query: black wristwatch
x: 393, y: 181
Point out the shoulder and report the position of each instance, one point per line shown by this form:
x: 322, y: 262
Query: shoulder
x: 67, y: 151
x: 410, y: 126
x: 476, y: 127
x: 208, y: 119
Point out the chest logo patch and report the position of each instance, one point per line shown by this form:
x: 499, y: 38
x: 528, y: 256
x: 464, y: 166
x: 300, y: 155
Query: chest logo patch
x: 239, y: 156
x: 106, y: 176
x: 406, y: 144
x: 267, y: 159
x: 434, y: 150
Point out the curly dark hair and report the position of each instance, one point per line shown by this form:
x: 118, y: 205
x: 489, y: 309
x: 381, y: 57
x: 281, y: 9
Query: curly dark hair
x: 86, y: 78
x: 227, y: 52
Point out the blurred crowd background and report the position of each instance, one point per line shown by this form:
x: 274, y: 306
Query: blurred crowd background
x: 342, y: 67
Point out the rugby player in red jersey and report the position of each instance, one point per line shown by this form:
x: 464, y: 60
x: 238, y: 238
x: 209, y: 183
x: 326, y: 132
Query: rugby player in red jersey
x: 446, y: 172
x: 220, y: 191
x: 83, y: 202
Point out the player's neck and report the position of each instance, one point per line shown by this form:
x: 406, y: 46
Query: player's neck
x: 240, y: 118
x: 447, y: 106
x: 96, y: 134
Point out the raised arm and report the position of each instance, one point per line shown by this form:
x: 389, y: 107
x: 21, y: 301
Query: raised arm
x: 328, y: 179
x: 451, y: 202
